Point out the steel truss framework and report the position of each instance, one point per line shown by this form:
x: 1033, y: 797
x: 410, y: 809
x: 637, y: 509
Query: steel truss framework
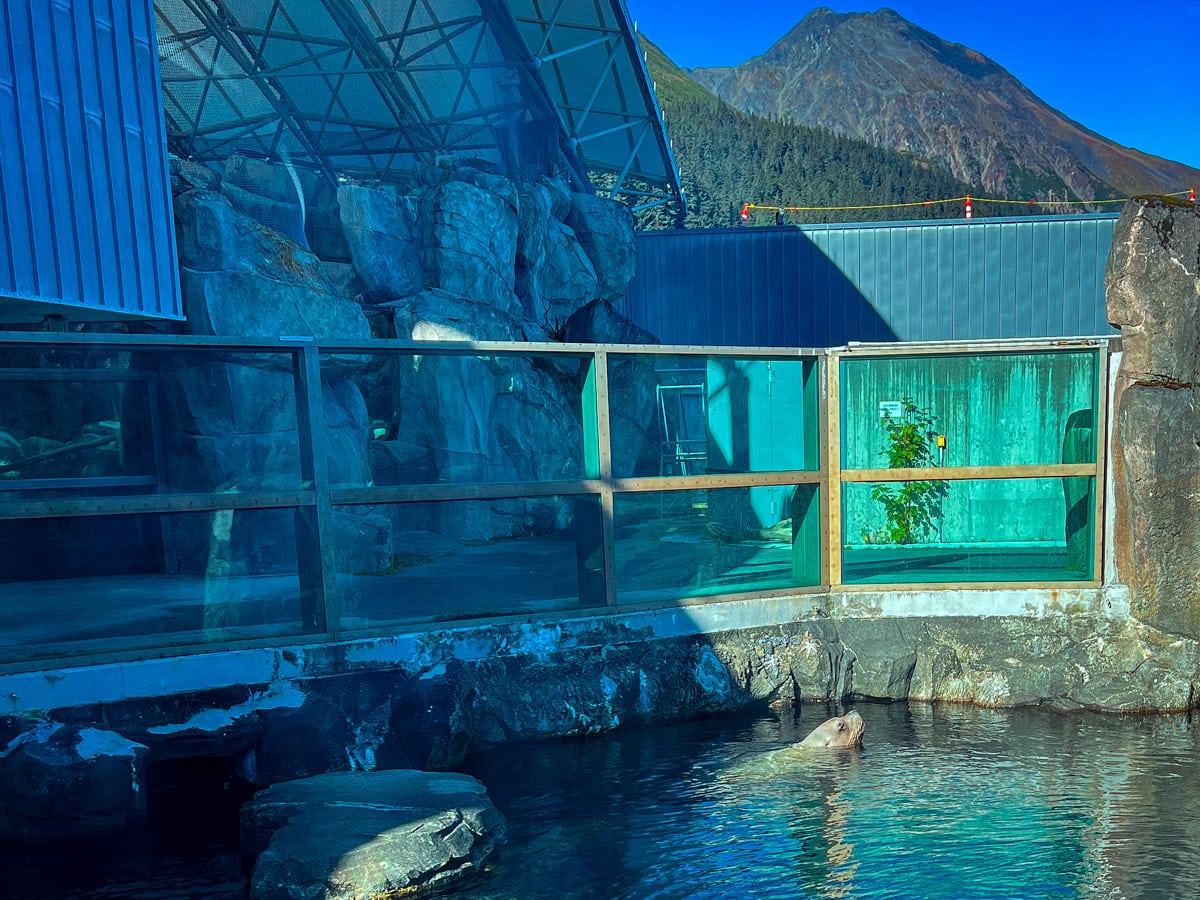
x: 371, y: 88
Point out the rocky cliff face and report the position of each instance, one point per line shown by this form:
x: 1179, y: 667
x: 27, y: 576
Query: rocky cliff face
x: 878, y: 76
x: 1153, y: 288
x: 462, y: 254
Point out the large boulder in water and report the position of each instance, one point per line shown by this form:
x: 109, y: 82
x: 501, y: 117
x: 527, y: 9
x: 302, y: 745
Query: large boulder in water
x: 68, y: 780
x: 1153, y: 291
x: 368, y: 834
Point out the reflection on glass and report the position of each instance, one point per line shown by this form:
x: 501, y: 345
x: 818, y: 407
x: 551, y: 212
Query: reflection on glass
x: 677, y: 544
x: 143, y: 421
x: 170, y: 578
x: 1023, y: 530
x: 696, y: 415
x: 991, y: 409
x: 461, y: 419
x: 460, y: 559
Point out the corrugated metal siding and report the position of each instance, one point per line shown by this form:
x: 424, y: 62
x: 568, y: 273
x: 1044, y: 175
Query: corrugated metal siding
x: 85, y: 205
x: 817, y: 285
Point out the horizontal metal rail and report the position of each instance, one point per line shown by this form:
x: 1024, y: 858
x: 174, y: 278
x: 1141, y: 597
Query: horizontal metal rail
x: 151, y: 504
x: 316, y: 497
x: 971, y: 473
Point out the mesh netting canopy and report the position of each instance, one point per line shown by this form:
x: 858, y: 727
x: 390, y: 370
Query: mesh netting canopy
x: 371, y: 87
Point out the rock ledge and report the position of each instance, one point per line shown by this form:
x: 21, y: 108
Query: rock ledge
x: 368, y: 834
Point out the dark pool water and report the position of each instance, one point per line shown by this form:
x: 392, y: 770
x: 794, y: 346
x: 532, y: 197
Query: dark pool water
x: 943, y: 802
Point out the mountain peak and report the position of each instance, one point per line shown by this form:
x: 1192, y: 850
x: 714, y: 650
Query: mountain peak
x: 880, y: 77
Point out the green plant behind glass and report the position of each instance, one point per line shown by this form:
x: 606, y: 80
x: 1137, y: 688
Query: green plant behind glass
x: 913, y: 508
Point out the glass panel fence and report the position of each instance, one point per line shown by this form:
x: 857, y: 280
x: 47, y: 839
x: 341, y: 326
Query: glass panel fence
x: 1014, y: 529
x: 461, y: 559
x: 78, y: 421
x: 697, y: 415
x: 990, y: 409
x: 402, y: 418
x: 672, y: 545
x: 150, y: 579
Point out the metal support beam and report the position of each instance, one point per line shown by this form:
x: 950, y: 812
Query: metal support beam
x: 575, y: 49
x: 504, y: 29
x: 371, y: 55
x: 601, y: 77
x: 549, y: 27
x: 218, y: 23
x: 637, y: 146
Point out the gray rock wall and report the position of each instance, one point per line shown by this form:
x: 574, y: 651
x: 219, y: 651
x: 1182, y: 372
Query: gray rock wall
x: 1153, y: 292
x: 461, y: 254
x: 372, y: 705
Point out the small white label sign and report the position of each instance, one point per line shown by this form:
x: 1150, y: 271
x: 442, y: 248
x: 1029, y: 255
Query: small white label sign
x: 891, y: 409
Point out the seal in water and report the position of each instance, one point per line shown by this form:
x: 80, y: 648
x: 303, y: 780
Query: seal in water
x: 840, y: 731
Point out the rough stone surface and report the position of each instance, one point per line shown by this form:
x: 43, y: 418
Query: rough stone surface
x: 635, y: 418
x: 58, y: 780
x: 1153, y: 288
x: 554, y: 275
x: 472, y: 246
x: 560, y: 196
x: 1104, y: 664
x: 187, y: 175
x: 1157, y: 485
x: 1150, y: 288
x: 460, y: 691
x: 242, y: 279
x: 383, y: 235
x: 379, y: 834
x: 269, y: 193
x: 600, y: 322
x: 231, y: 421
x: 478, y: 419
x: 605, y: 230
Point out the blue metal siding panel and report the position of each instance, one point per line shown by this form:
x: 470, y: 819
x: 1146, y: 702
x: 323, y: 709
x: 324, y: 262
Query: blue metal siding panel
x: 1056, y: 284
x: 960, y: 288
x: 15, y: 243
x: 1009, y: 260
x: 852, y: 317
x: 915, y: 310
x: 1095, y: 244
x: 84, y: 220
x: 60, y: 222
x: 789, y: 275
x: 1039, y: 273
x: 85, y: 213
x: 824, y: 285
x: 25, y: 175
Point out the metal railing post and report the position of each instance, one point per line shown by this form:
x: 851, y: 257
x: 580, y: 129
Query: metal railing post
x: 831, y: 471
x: 604, y: 448
x: 314, y: 531
x: 1103, y: 380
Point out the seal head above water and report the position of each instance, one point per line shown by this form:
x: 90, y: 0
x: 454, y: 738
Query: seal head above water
x: 840, y: 731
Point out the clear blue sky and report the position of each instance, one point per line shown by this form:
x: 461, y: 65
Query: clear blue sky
x: 1128, y: 70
